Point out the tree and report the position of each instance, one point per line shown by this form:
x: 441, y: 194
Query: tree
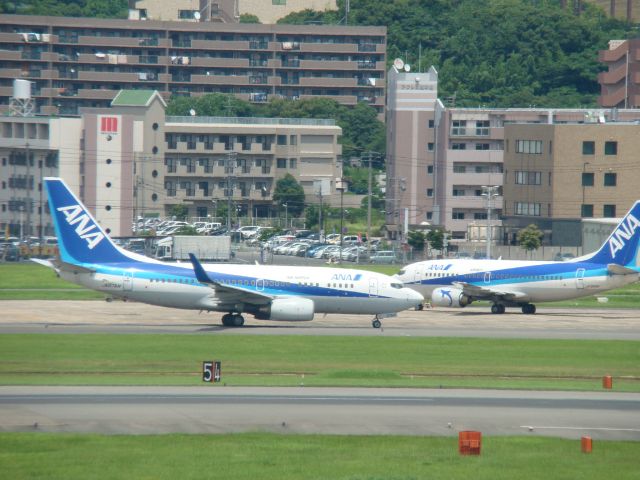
x: 530, y: 238
x: 435, y: 237
x: 210, y: 105
x: 289, y: 191
x: 249, y: 18
x: 179, y: 211
x: 417, y: 240
x: 186, y: 230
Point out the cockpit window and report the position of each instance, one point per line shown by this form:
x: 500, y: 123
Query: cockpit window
x: 397, y: 285
x: 402, y: 272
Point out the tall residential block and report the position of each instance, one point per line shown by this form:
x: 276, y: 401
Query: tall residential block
x: 84, y: 62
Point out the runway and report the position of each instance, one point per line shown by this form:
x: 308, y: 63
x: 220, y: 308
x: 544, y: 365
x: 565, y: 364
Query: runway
x: 158, y: 410
x: 39, y: 316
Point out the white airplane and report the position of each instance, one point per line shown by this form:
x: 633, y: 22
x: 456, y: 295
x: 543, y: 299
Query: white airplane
x: 89, y: 257
x: 457, y: 283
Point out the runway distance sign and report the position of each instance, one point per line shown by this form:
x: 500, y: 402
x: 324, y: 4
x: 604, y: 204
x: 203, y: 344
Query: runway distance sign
x: 211, y: 371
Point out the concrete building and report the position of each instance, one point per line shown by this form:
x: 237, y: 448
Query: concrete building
x: 129, y: 161
x: 620, y: 84
x: 74, y: 63
x: 557, y: 174
x: 204, y: 155
x: 32, y: 148
x: 413, y: 118
x: 227, y: 11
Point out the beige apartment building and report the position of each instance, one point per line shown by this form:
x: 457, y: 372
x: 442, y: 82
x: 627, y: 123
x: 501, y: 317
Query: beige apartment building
x: 214, y: 159
x: 228, y: 11
x: 83, y: 62
x: 558, y: 174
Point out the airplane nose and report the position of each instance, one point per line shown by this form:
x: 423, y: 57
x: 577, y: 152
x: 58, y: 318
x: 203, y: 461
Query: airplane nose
x: 414, y: 297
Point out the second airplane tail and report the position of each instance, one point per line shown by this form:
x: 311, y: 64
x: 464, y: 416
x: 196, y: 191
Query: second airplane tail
x: 621, y: 248
x: 80, y: 238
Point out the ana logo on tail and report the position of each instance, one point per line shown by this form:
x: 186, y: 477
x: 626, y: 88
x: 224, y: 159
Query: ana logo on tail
x: 624, y: 232
x: 86, y: 229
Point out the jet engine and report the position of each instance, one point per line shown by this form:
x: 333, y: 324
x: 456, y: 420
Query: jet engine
x: 449, y: 297
x: 287, y: 309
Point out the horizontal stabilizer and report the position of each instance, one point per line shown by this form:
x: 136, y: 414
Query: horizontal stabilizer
x: 615, y: 269
x: 60, y: 266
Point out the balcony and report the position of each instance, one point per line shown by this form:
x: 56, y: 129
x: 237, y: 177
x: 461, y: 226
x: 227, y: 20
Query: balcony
x: 220, y: 45
x: 475, y: 156
x: 614, y: 75
x: 10, y: 55
x: 212, y: 62
x: 608, y: 56
x: 615, y: 98
x: 329, y: 47
x: 221, y: 79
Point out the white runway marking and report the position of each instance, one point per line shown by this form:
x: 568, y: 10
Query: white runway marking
x: 604, y: 429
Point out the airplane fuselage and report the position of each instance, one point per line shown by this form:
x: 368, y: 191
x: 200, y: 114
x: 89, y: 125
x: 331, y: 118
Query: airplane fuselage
x: 532, y: 281
x: 175, y: 285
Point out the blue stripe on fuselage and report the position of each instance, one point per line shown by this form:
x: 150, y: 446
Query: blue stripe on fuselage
x: 158, y: 272
x: 520, y: 275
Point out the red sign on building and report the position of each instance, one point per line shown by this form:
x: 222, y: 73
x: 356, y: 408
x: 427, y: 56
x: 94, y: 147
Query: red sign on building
x: 109, y: 125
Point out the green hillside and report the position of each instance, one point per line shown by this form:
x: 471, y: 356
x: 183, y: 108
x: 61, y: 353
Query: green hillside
x: 501, y: 53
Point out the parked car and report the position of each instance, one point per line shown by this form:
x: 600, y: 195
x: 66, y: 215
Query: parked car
x: 249, y: 231
x: 384, y: 256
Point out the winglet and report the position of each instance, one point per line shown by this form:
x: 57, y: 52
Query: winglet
x: 200, y: 272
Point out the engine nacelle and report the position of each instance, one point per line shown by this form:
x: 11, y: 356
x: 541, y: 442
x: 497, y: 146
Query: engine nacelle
x: 449, y: 297
x: 288, y: 309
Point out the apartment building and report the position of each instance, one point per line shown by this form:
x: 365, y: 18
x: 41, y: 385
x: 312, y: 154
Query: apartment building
x: 213, y: 159
x: 557, y: 174
x: 228, y: 11
x: 83, y: 62
x: 620, y: 84
x: 32, y: 148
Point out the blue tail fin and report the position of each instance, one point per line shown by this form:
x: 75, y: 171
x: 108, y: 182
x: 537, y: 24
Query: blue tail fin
x: 80, y: 237
x: 621, y: 247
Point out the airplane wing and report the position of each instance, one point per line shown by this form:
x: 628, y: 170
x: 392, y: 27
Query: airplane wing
x: 615, y: 269
x: 225, y: 292
x: 58, y: 265
x: 484, y: 293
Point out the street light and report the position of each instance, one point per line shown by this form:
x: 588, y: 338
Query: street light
x: 286, y: 214
x: 340, y: 185
x: 489, y: 192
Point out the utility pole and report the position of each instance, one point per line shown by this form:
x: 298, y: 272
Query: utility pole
x: 286, y: 214
x: 341, y: 214
x: 489, y: 192
x: 369, y: 154
x: 230, y: 164
x: 320, y: 229
x: 29, y: 200
x: 41, y: 212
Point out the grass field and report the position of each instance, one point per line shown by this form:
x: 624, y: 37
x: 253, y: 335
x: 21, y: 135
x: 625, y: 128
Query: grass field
x: 98, y: 359
x: 273, y: 456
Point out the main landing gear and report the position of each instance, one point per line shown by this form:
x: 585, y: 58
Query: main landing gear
x: 376, y: 323
x: 232, y: 320
x: 528, y: 309
x: 497, y: 308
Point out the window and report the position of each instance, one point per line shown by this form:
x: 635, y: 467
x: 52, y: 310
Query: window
x: 610, y: 148
x: 431, y: 123
x: 528, y: 178
x: 459, y: 127
x: 282, y: 163
x: 293, y: 139
x: 610, y: 179
x: 429, y: 215
x: 529, y: 209
x: 457, y: 215
x: 458, y: 192
x: 587, y: 179
x: 529, y: 146
x: 588, y: 147
x: 586, y: 211
x: 282, y: 140
x: 293, y: 163
x: 482, y: 127
x: 459, y: 168
x: 608, y: 211
x: 482, y: 146
x: 458, y: 146
x: 429, y: 192
x: 429, y: 169
x: 430, y: 146
x: 278, y: 2
x: 186, y: 14
x: 480, y: 216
